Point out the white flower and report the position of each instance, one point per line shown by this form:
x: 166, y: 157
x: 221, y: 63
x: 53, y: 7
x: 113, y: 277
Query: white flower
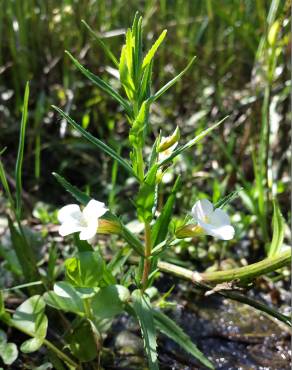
x: 214, y: 222
x: 74, y: 220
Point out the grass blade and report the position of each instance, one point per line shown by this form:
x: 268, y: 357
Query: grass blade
x: 98, y: 143
x: 172, y: 82
x: 278, y: 231
x: 19, y: 160
x: 102, y: 85
x: 173, y: 331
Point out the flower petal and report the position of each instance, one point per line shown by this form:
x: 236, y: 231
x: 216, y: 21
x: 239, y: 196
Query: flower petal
x: 225, y: 232
x: 94, y: 210
x: 71, y: 211
x: 89, y: 231
x: 202, y: 209
x: 219, y: 218
x: 69, y: 227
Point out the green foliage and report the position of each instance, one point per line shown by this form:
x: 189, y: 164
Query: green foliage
x: 104, y: 86
x: 109, y: 301
x: 173, y: 331
x: 191, y: 142
x: 160, y: 228
x: 64, y: 298
x: 81, y: 342
x: 278, y: 231
x: 99, y: 144
x: 85, y: 270
x: 19, y: 160
x: 30, y: 318
x: 143, y: 310
x: 146, y: 196
x: 75, y: 192
x: 8, y: 351
x: 103, y: 46
x: 24, y: 252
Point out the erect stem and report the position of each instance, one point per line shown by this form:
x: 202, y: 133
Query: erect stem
x: 147, y: 255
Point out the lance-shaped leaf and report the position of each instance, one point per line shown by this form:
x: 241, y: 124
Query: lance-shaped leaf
x: 172, y: 82
x: 104, y: 86
x: 173, y: 331
x: 73, y: 190
x: 149, y: 56
x: 160, y: 227
x: 146, y: 196
x: 105, y: 48
x: 125, y: 76
x: 227, y: 199
x: 98, y: 143
x: 191, y: 142
x: 144, y: 313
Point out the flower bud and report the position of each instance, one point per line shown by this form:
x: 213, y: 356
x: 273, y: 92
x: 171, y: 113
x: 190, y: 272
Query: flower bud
x: 108, y: 227
x: 189, y: 231
x: 168, y: 141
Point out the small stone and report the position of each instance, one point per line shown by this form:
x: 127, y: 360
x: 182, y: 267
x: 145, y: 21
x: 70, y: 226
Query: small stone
x: 128, y: 343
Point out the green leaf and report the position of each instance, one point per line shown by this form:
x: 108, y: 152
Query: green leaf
x: 144, y: 312
x: 191, y: 142
x: 148, y: 58
x: 146, y: 196
x: 173, y: 331
x: 224, y: 201
x: 105, y: 48
x: 109, y: 301
x: 98, y: 143
x: 171, y: 82
x: 85, y: 270
x: 73, y: 190
x: 145, y: 84
x: 136, y: 133
x: 125, y: 76
x: 160, y: 228
x: 24, y: 252
x: 102, y: 85
x: 133, y: 241
x: 19, y: 159
x: 8, y: 351
x: 81, y: 342
x: 278, y: 231
x: 65, y: 298
x: 30, y: 318
x: 5, y: 185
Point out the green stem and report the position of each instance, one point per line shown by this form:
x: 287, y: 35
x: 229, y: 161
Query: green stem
x: 146, y: 269
x: 140, y: 164
x: 241, y: 273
